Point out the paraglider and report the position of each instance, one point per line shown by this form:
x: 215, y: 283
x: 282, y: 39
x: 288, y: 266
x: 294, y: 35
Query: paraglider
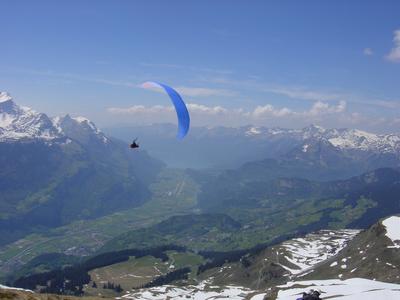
x: 180, y: 107
x: 134, y: 144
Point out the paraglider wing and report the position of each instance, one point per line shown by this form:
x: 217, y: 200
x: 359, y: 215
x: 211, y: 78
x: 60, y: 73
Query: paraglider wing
x: 180, y: 107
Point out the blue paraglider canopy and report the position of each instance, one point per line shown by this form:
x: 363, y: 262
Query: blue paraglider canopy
x: 180, y: 107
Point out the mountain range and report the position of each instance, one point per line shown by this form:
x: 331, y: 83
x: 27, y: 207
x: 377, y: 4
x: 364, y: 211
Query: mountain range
x: 206, y: 147
x: 56, y: 170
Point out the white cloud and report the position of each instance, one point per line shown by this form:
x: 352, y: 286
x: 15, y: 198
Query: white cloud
x: 214, y: 110
x: 160, y: 109
x: 218, y: 115
x: 318, y: 109
x: 368, y: 51
x: 321, y: 108
x: 394, y: 54
x: 269, y: 110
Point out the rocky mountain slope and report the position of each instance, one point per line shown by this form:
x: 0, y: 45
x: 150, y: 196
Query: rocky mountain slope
x: 278, y: 264
x: 341, y: 264
x: 373, y: 254
x: 346, y: 264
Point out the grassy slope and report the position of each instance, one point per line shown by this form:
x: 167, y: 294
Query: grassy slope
x: 10, y: 294
x: 202, y: 231
x: 136, y: 272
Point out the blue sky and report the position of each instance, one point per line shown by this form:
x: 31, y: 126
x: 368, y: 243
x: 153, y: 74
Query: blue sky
x: 274, y: 63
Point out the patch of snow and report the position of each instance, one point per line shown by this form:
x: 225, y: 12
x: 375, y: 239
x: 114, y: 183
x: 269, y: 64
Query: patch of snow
x: 304, y: 253
x: 13, y: 288
x: 391, y: 265
x: 333, y: 264
x: 306, y: 273
x: 392, y: 225
x: 91, y: 126
x: 5, y: 120
x: 192, y: 292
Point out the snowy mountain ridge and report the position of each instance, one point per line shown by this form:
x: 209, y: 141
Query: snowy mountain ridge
x: 18, y: 123
x: 344, y: 139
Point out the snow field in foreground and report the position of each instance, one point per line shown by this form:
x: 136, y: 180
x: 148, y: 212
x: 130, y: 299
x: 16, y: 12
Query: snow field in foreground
x: 354, y: 289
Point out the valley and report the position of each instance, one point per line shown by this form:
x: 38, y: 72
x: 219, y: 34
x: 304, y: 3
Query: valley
x: 83, y: 238
x: 125, y: 224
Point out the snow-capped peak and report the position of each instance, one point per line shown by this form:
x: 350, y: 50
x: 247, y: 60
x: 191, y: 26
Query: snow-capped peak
x: 313, y: 131
x: 362, y: 140
x: 253, y: 131
x: 79, y: 128
x: 343, y: 139
x: 22, y: 123
x: 17, y: 122
x: 4, y: 96
x: 86, y: 122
